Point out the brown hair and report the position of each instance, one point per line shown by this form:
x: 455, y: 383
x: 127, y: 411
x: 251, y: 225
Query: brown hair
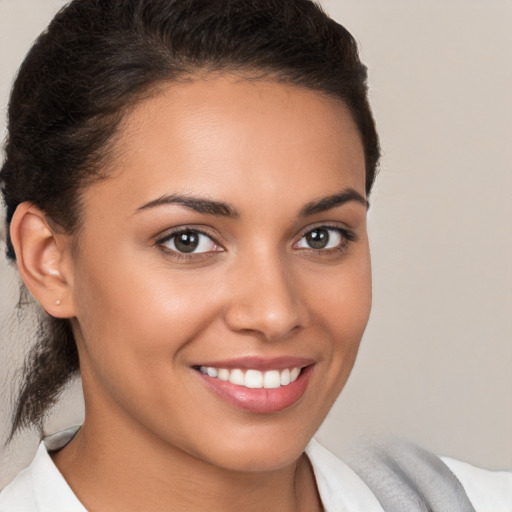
x: 97, y: 58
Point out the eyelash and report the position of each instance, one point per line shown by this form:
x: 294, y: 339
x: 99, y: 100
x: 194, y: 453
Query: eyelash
x: 347, y: 238
x: 183, y: 255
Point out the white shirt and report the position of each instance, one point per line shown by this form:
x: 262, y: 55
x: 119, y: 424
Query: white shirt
x: 42, y: 488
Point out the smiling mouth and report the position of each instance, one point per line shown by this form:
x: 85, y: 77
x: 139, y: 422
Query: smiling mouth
x: 258, y: 386
x: 253, y: 379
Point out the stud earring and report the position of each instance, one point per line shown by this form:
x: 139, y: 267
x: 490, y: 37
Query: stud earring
x: 57, y: 302
x: 53, y: 272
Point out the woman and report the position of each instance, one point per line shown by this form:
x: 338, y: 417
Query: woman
x: 186, y: 187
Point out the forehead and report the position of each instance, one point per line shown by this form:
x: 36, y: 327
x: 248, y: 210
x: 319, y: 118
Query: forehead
x: 239, y: 140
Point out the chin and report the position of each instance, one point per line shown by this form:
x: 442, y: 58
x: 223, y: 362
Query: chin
x: 262, y: 457
x: 268, y: 449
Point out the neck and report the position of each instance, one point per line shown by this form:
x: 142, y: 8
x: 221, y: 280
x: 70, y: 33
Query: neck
x: 129, y: 469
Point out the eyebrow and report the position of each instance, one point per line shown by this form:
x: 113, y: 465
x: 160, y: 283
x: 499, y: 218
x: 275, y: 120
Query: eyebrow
x: 329, y: 202
x: 193, y: 203
x: 211, y: 207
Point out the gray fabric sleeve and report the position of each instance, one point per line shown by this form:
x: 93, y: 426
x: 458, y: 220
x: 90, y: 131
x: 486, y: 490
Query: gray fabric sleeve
x: 407, y: 478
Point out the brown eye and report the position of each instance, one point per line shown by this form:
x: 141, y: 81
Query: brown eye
x: 186, y: 242
x: 323, y: 238
x: 190, y: 241
x: 318, y: 238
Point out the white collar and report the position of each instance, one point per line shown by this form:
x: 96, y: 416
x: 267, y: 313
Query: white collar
x: 341, y: 490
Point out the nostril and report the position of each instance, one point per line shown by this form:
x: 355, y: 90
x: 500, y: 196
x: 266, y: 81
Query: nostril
x: 264, y: 300
x: 271, y: 325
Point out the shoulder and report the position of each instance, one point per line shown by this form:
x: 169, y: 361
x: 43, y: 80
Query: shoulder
x: 394, y: 475
x: 40, y: 487
x: 340, y: 488
x: 487, y: 490
x: 18, y: 496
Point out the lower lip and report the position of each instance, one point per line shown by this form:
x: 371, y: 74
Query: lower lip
x: 261, y: 400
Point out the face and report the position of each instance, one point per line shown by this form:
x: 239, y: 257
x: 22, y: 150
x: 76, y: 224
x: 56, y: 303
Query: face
x: 222, y: 276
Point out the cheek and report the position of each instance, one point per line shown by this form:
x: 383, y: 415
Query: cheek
x: 344, y: 298
x: 134, y: 313
x: 141, y: 313
x: 341, y: 307
x: 135, y: 335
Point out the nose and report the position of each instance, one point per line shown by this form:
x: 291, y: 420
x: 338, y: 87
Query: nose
x: 264, y: 299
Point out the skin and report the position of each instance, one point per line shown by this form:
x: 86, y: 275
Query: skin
x: 155, y: 437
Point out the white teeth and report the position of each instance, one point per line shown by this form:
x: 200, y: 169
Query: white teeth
x: 285, y: 377
x: 272, y: 379
x: 223, y: 374
x: 212, y: 372
x: 236, y: 377
x: 208, y: 370
x: 254, y: 379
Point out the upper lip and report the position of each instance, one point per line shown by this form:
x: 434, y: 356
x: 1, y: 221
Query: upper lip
x: 260, y: 363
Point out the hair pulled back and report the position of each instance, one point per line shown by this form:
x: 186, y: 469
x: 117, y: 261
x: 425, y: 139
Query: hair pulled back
x: 97, y: 59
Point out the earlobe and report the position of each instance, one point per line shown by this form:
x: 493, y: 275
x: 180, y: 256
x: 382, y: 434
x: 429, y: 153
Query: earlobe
x: 42, y: 255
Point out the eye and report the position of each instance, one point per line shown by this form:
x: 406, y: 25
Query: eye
x: 188, y: 241
x: 323, y: 238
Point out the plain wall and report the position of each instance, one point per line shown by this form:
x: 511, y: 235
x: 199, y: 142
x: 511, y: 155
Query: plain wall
x: 435, y: 363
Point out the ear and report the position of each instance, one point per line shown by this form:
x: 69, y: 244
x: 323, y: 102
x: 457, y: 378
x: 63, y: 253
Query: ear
x: 44, y: 260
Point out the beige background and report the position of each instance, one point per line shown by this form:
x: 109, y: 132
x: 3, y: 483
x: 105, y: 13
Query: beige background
x: 436, y: 361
